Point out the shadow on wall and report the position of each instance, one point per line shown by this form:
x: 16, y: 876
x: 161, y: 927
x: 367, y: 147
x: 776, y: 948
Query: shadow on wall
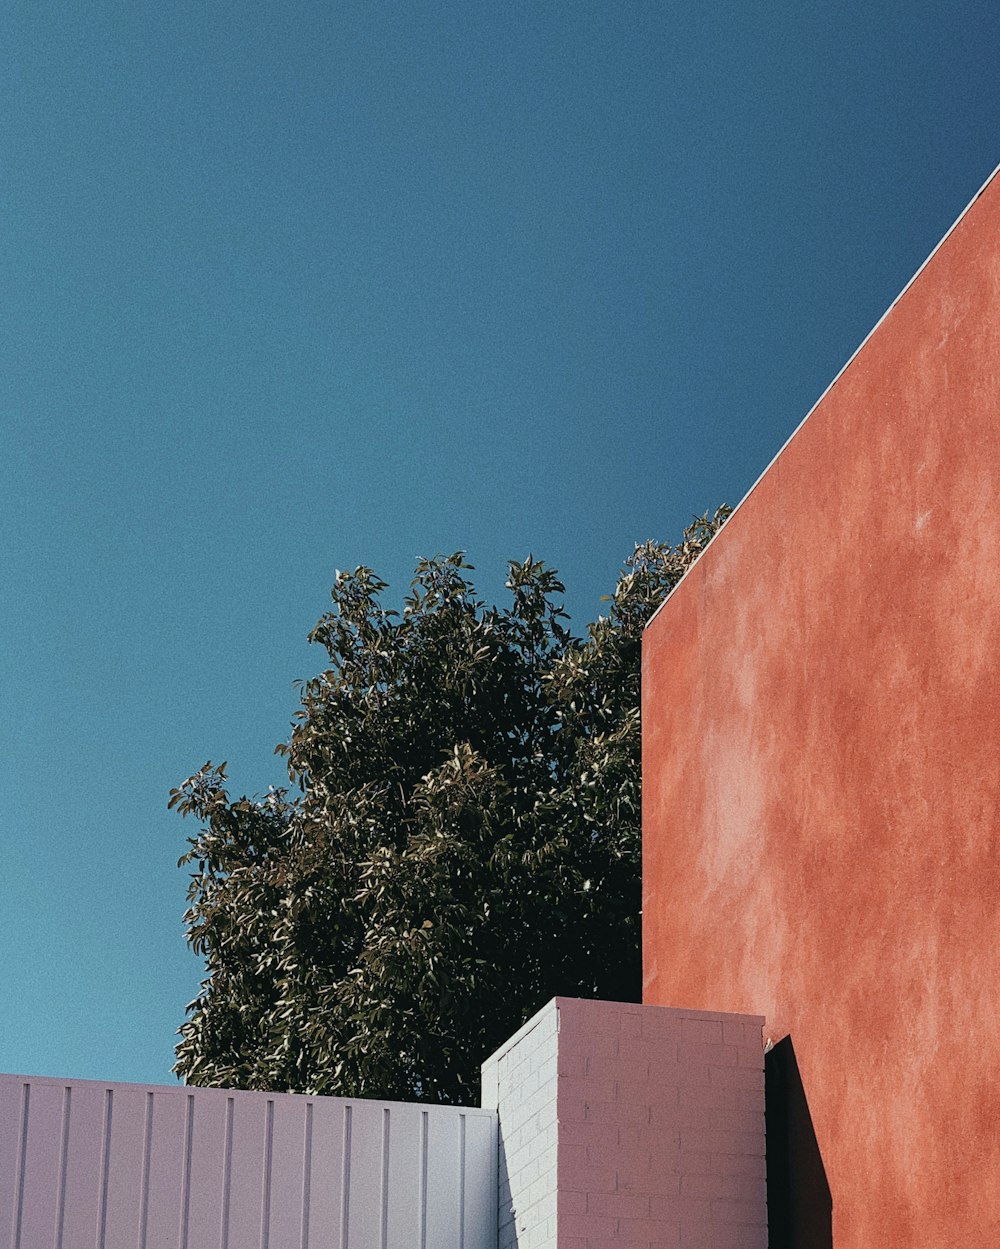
x: 799, y: 1204
x: 506, y: 1232
x: 514, y: 1208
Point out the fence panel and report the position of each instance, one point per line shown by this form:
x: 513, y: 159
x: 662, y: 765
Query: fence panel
x: 87, y: 1165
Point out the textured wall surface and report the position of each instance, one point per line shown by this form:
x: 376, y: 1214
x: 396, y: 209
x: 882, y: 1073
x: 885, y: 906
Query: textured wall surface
x: 821, y: 702
x: 85, y: 1165
x: 624, y: 1125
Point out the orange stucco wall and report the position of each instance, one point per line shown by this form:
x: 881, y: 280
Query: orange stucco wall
x: 821, y: 763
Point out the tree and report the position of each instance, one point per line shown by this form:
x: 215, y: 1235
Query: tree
x: 461, y: 840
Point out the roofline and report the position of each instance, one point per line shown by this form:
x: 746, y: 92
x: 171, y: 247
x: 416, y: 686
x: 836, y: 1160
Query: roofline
x: 843, y: 369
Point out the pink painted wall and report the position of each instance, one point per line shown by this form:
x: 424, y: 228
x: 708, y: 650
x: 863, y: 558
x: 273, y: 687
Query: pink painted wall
x: 821, y: 702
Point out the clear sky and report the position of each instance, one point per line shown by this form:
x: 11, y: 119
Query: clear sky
x: 288, y: 287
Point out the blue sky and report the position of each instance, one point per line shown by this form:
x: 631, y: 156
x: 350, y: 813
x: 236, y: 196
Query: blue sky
x: 285, y: 288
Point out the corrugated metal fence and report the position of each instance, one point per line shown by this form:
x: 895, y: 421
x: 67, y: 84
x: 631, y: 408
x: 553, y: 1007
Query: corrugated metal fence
x: 87, y: 1165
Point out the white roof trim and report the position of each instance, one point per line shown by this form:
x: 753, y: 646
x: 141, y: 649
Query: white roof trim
x: 836, y: 379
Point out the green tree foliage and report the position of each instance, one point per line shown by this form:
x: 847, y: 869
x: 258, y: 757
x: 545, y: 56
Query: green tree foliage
x: 461, y: 840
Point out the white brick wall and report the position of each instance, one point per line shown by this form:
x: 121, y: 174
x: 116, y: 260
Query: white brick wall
x: 522, y: 1078
x: 630, y: 1126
